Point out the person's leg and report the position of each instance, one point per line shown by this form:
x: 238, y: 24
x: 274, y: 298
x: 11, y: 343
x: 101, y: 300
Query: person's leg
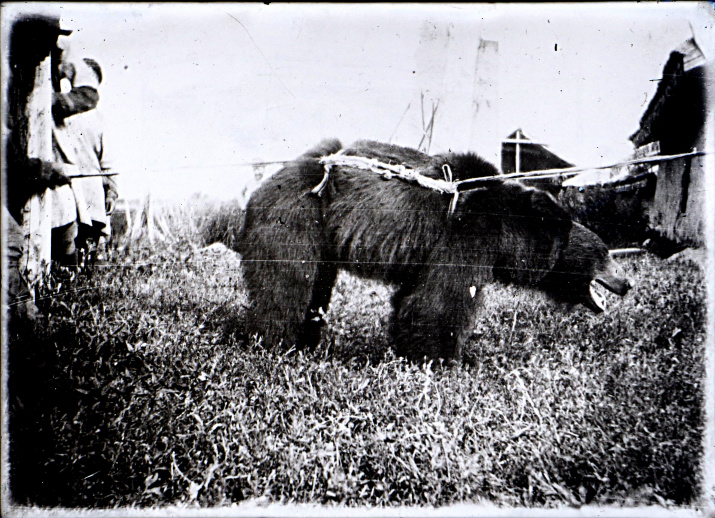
x: 89, y: 241
x: 20, y: 298
x: 64, y: 250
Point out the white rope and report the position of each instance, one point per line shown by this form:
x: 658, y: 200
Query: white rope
x: 388, y: 171
x: 448, y: 185
x: 572, y: 171
x: 447, y: 171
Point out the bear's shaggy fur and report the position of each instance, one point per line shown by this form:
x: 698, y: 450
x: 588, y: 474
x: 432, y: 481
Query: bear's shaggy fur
x: 294, y: 242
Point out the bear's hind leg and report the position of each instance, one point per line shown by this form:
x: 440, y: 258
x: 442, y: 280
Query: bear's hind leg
x: 323, y: 284
x: 281, y: 263
x: 280, y: 291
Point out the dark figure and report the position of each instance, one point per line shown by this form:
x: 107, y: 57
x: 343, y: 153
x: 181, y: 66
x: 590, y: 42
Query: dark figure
x: 32, y: 39
x: 295, y: 241
x: 78, y: 140
x: 84, y: 78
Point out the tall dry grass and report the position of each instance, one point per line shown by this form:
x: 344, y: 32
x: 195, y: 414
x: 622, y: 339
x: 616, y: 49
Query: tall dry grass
x: 134, y: 390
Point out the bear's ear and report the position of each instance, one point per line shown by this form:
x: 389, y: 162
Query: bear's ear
x: 546, y: 206
x: 324, y: 148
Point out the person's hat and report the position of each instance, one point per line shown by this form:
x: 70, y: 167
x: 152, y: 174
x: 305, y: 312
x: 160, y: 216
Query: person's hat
x: 91, y: 63
x: 62, y: 28
x: 52, y: 22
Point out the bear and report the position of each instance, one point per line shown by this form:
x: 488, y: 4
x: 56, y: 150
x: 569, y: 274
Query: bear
x: 310, y: 220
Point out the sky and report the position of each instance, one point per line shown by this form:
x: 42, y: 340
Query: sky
x: 194, y: 92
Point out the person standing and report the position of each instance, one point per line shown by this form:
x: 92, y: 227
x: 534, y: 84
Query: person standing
x: 29, y: 173
x: 78, y: 140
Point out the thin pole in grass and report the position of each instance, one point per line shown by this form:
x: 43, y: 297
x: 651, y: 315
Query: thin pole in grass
x: 128, y: 217
x: 513, y: 324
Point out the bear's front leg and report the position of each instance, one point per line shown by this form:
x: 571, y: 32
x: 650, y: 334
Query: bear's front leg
x: 434, y: 318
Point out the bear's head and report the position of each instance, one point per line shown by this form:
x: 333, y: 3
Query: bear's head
x: 520, y: 229
x: 584, y: 261
x: 532, y: 241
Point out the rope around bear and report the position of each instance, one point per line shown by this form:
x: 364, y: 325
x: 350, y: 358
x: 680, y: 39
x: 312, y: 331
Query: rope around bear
x: 448, y: 186
x: 389, y: 171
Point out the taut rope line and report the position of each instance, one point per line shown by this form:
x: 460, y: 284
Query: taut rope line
x: 448, y: 185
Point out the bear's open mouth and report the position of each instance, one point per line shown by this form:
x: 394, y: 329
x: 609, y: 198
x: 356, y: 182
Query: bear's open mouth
x: 596, y: 301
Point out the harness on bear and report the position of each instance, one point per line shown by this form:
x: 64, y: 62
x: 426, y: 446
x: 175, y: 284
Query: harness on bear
x: 400, y: 171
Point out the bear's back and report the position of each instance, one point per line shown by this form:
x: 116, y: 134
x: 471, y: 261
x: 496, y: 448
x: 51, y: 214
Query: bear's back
x: 390, y: 154
x: 463, y: 165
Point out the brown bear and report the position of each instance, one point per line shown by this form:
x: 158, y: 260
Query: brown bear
x: 310, y: 220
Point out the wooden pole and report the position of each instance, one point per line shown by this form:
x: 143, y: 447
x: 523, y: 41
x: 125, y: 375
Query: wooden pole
x: 137, y: 228
x: 128, y: 216
x: 37, y: 213
x: 483, y: 137
x: 149, y: 211
x: 518, y: 153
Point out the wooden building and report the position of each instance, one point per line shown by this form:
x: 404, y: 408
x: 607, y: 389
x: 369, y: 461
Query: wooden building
x: 612, y: 202
x: 676, y: 119
x: 661, y: 202
x: 521, y: 154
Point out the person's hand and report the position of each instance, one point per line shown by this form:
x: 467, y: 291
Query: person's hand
x: 57, y: 176
x: 109, y: 206
x: 52, y: 175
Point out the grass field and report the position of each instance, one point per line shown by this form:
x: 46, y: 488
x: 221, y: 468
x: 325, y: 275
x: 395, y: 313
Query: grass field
x: 132, y: 390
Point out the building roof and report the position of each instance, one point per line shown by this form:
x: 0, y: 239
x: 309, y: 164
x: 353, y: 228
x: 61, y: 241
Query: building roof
x: 692, y: 54
x: 677, y: 106
x: 534, y: 155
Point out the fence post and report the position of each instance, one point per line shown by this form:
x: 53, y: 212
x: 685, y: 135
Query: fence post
x: 37, y: 212
x: 128, y: 216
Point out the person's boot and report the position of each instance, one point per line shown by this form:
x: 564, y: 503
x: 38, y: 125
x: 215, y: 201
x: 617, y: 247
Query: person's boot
x: 70, y: 261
